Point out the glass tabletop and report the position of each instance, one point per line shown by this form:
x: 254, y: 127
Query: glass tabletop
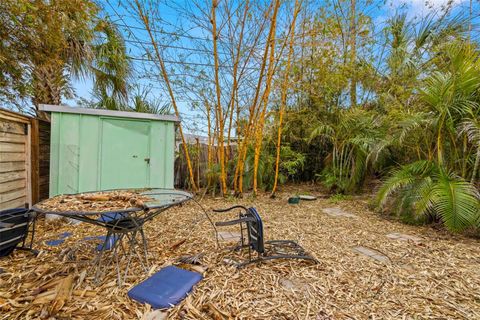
x: 158, y: 198
x: 165, y: 197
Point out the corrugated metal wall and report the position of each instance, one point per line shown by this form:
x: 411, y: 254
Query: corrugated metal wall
x: 91, y: 152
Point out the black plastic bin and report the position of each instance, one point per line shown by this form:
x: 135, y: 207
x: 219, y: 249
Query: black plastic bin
x: 14, y: 228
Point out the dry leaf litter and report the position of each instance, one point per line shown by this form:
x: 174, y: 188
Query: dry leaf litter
x: 435, y: 278
x: 95, y: 202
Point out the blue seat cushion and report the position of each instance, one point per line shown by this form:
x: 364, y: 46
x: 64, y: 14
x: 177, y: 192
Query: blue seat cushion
x: 108, y: 244
x: 111, y: 216
x: 65, y: 234
x: 165, y: 288
x: 54, y: 242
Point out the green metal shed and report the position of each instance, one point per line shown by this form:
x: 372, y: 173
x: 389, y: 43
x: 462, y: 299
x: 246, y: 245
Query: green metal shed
x: 93, y: 149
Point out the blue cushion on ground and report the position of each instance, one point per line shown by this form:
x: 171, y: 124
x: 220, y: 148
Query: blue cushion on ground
x: 64, y: 235
x: 92, y: 238
x: 54, y: 242
x: 165, y: 288
x: 108, y: 246
x: 107, y: 217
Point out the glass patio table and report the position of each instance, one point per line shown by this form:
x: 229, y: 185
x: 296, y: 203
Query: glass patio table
x: 123, y: 224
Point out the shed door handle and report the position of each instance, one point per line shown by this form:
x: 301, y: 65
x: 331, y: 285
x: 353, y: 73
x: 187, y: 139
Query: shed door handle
x: 147, y: 160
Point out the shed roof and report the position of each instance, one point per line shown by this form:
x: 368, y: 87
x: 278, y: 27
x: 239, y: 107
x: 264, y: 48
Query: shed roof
x: 108, y: 113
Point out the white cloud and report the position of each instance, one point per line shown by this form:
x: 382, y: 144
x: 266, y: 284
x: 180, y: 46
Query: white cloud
x: 433, y: 4
x: 423, y: 5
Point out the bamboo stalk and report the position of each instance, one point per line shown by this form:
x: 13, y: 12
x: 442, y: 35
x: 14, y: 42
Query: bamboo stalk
x: 219, y: 111
x: 238, y: 185
x: 353, y: 53
x: 261, y: 113
x: 235, y: 79
x: 261, y: 120
x: 163, y: 70
x: 210, y: 142
x: 284, y: 95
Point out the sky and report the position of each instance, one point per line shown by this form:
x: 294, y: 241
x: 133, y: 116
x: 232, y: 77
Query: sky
x: 193, y: 120
x: 134, y: 33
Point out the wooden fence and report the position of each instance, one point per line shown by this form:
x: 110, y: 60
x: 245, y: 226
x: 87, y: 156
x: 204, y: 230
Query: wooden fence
x: 199, y: 157
x: 24, y: 159
x: 15, y: 165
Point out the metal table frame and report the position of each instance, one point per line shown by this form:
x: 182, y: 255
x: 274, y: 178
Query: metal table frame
x: 125, y: 224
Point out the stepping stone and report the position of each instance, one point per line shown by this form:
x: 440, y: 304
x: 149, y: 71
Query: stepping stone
x: 337, y: 212
x: 229, y: 236
x: 307, y: 197
x: 374, y: 254
x: 403, y: 237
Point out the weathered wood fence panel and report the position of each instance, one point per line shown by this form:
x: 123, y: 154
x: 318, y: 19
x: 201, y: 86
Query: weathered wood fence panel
x: 15, y: 163
x: 24, y: 159
x: 199, y: 158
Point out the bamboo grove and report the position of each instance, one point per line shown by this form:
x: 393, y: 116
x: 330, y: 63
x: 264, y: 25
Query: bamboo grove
x: 353, y: 95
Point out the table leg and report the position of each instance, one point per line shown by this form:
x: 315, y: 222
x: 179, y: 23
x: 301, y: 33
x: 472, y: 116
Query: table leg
x: 98, y: 259
x: 145, y: 247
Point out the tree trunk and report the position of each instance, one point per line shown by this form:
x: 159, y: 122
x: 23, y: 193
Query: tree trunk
x: 219, y: 112
x: 235, y: 78
x: 283, y: 101
x: 47, y: 82
x: 353, y: 54
x: 163, y: 70
x: 261, y: 118
x: 238, y: 177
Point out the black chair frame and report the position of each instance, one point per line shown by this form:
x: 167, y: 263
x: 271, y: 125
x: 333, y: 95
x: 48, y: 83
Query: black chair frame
x: 15, y: 226
x: 251, y: 228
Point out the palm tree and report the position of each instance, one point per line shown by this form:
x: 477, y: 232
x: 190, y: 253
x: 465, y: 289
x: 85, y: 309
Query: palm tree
x: 142, y: 102
x: 425, y: 188
x: 449, y: 131
x: 470, y: 128
x: 352, y: 136
x: 110, y: 66
x: 60, y: 40
x: 57, y: 47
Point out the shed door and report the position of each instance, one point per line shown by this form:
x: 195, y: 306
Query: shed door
x: 125, y: 154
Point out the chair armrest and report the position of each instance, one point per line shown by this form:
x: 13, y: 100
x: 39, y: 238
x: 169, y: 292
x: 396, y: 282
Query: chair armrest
x: 231, y: 208
x: 233, y: 222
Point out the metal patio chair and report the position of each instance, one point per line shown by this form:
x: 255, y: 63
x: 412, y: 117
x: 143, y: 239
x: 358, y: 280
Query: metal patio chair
x: 251, y: 228
x: 15, y: 224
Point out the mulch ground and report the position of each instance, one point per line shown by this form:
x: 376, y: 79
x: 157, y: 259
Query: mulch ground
x: 435, y: 278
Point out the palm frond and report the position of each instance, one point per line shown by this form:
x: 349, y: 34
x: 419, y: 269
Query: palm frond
x: 403, y: 177
x: 456, y: 201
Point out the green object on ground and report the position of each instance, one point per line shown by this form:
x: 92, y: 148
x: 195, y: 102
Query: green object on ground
x: 293, y: 200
